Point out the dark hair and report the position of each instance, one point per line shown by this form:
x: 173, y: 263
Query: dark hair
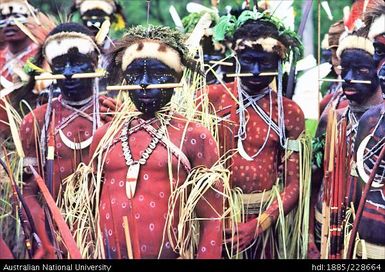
x: 71, y: 27
x: 254, y: 29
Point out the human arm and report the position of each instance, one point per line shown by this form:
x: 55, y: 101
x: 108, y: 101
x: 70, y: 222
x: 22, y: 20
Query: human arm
x: 204, y: 153
x: 28, y: 133
x: 108, y: 106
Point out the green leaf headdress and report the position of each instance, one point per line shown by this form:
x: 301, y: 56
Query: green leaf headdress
x: 229, y: 24
x: 191, y: 20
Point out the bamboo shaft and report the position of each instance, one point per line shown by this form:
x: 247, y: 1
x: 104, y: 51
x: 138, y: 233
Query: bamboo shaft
x: 342, y: 81
x: 128, y: 238
x: 138, y: 87
x: 250, y: 74
x: 221, y: 63
x: 75, y: 76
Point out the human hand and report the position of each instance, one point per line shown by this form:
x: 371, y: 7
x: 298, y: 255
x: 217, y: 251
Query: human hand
x: 107, y: 107
x: 243, y: 235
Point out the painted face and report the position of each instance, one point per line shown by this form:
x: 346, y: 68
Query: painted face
x: 379, y: 58
x: 358, y: 65
x: 326, y: 55
x: 144, y: 72
x: 379, y: 48
x: 210, y: 76
x: 93, y: 19
x: 211, y: 54
x: 69, y: 64
x: 257, y: 62
x: 11, y: 32
x: 381, y: 75
x: 335, y: 60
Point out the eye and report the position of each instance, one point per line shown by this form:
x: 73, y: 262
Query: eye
x: 380, y: 52
x: 364, y: 70
x: 246, y: 59
x: 266, y: 63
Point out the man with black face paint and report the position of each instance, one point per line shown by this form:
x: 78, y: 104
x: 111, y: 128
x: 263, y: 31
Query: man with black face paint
x: 369, y: 141
x: 259, y: 125
x: 361, y: 88
x: 152, y: 155
x: 65, y: 124
x: 94, y: 13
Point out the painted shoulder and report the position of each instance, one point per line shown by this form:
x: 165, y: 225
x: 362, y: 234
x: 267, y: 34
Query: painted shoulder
x: 218, y: 91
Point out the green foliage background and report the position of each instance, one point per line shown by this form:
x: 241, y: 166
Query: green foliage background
x: 136, y: 11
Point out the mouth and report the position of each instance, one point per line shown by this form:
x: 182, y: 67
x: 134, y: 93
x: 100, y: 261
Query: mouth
x: 71, y: 84
x: 9, y: 31
x: 146, y: 100
x: 350, y: 92
x: 254, y: 81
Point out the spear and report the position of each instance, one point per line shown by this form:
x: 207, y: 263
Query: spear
x: 362, y: 203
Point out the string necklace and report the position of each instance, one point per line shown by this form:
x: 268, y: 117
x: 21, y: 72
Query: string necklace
x: 75, y: 113
x: 75, y: 103
x: 134, y: 166
x: 362, y: 157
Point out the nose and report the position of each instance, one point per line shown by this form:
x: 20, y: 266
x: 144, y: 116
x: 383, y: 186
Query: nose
x: 144, y: 82
x: 256, y: 70
x: 349, y: 76
x: 68, y: 71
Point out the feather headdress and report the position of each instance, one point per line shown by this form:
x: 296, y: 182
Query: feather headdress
x: 16, y: 6
x: 375, y: 19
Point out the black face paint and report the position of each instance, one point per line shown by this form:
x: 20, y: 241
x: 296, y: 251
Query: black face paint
x: 73, y: 63
x: 93, y: 19
x: 11, y: 32
x: 379, y: 52
x: 326, y: 56
x: 144, y: 72
x: 358, y: 65
x: 256, y: 62
x: 381, y: 76
x: 211, y: 54
x: 379, y: 59
x: 210, y: 76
